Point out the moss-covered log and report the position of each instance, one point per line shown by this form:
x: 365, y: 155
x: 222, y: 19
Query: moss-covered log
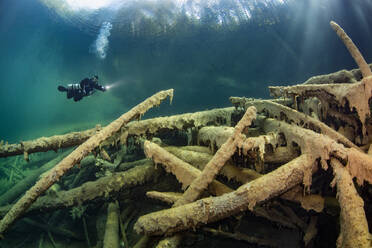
x: 103, y: 188
x: 353, y: 50
x: 216, y: 208
x: 292, y: 116
x: 354, y: 227
x: 271, y: 215
x: 45, y: 144
x: 178, y: 122
x: 201, y: 182
x: 76, y: 156
x: 344, y: 97
x: 322, y: 147
x: 184, y: 172
x: 221, y: 116
x: 21, y: 186
x: 199, y: 160
x: 342, y: 76
x: 111, y: 238
x: 167, y: 197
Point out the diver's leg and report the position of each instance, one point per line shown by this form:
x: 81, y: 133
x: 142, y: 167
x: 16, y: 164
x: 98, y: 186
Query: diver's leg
x: 70, y: 93
x: 77, y: 98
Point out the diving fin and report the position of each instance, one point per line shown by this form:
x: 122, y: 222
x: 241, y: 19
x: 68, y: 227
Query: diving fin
x: 62, y: 88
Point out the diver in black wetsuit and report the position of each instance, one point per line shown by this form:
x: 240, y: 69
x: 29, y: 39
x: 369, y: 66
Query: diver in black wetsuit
x: 86, y: 87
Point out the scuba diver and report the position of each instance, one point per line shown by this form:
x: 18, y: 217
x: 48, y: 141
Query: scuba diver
x: 86, y: 87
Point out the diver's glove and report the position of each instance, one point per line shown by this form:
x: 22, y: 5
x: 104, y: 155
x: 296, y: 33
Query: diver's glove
x: 104, y: 88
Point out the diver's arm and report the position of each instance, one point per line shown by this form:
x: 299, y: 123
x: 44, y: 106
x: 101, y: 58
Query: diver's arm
x: 99, y: 87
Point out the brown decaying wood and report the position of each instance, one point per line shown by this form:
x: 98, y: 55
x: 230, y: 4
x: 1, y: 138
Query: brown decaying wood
x: 167, y: 197
x: 311, y: 230
x: 44, y: 144
x: 184, y: 172
x: 199, y: 160
x: 354, y: 227
x: 149, y: 127
x: 326, y: 146
x: 216, y: 208
x: 354, y: 51
x: 21, y: 186
x: 271, y: 215
x: 357, y: 95
x: 292, y: 116
x: 201, y: 182
x: 102, y: 188
x: 321, y: 146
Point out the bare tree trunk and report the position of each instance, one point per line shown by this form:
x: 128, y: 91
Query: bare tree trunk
x: 76, y: 156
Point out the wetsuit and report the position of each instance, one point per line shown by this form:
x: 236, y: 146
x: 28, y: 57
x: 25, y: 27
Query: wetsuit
x: 86, y: 87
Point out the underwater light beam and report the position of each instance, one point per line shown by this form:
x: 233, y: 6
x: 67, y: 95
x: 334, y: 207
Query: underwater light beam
x: 113, y: 85
x: 87, y: 13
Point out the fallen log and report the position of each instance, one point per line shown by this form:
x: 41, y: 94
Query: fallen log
x: 199, y: 160
x: 167, y: 197
x: 45, y: 144
x: 323, y: 147
x: 201, y: 182
x: 212, y: 209
x: 200, y: 119
x: 21, y: 186
x: 354, y: 227
x: 103, y: 188
x: 111, y: 238
x: 342, y: 76
x: 142, y: 243
x: 221, y: 116
x: 310, y: 231
x: 271, y: 215
x: 345, y: 98
x: 184, y: 172
x: 76, y: 156
x: 353, y: 50
x: 292, y: 116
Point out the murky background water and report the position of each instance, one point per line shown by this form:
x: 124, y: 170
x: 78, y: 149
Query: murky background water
x: 205, y: 50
